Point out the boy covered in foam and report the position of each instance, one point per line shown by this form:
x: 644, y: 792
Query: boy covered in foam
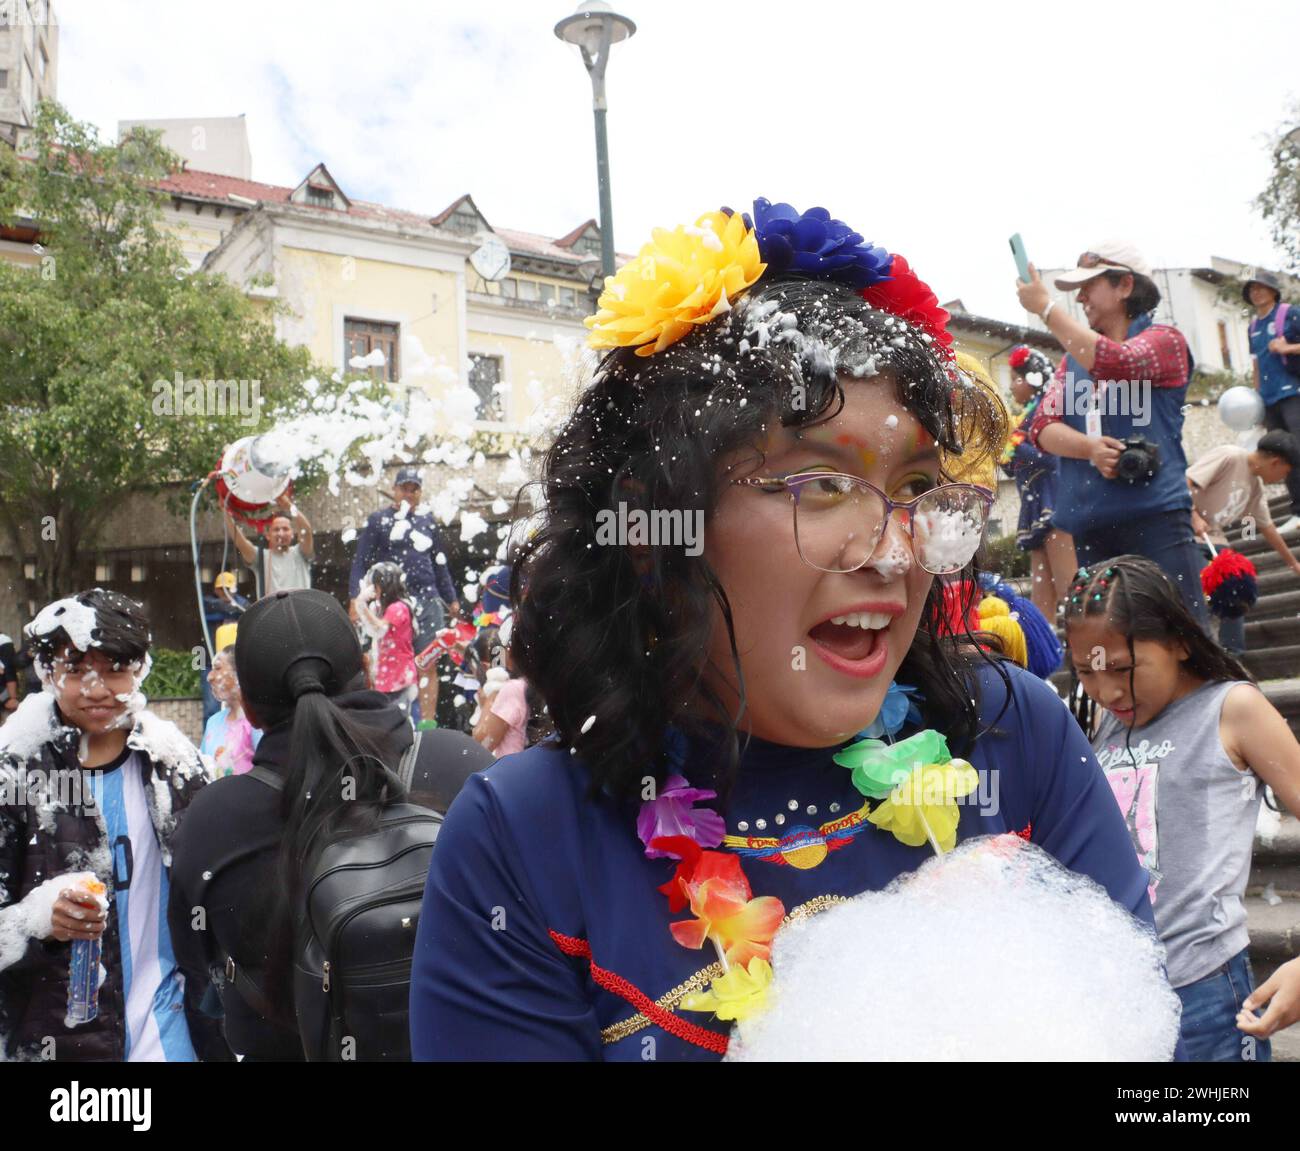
x: 91, y: 787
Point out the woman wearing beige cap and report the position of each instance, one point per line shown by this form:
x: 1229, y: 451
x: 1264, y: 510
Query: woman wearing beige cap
x: 1114, y: 414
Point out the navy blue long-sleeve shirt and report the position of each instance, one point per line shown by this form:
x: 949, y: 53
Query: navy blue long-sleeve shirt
x: 414, y: 548
x: 526, y: 852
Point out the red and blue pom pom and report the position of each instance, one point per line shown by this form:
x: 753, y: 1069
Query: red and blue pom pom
x: 1229, y: 584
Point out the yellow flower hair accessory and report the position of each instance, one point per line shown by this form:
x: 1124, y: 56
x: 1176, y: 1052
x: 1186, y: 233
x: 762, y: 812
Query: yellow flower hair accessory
x: 681, y: 278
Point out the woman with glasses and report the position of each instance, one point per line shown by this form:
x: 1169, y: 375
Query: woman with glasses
x: 725, y: 721
x: 1113, y: 413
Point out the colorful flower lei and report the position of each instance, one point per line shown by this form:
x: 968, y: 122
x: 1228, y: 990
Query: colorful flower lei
x: 916, y: 778
x: 693, y: 274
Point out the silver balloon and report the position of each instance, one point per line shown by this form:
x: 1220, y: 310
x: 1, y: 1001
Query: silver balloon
x: 1241, y: 408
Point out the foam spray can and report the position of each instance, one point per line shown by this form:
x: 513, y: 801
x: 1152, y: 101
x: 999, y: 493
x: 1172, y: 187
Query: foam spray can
x: 83, y: 971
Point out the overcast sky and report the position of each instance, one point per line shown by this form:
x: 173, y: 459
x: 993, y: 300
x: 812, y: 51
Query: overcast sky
x: 937, y: 129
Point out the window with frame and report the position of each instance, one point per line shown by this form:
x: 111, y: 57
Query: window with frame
x: 320, y: 197
x: 4, y: 78
x: 510, y: 288
x: 361, y: 337
x: 484, y: 376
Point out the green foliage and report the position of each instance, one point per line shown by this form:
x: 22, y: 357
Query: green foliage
x: 173, y: 675
x: 1279, y: 202
x: 1211, y: 385
x: 1004, y: 557
x: 87, y: 335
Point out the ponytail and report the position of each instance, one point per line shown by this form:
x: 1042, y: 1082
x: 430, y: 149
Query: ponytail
x: 339, y: 780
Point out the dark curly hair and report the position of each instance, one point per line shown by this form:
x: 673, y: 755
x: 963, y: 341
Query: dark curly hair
x: 602, y: 635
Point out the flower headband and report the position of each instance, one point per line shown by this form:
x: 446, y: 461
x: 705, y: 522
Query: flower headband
x: 693, y: 274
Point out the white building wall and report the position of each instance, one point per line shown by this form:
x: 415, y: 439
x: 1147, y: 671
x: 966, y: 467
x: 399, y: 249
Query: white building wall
x: 29, y: 55
x: 209, y: 144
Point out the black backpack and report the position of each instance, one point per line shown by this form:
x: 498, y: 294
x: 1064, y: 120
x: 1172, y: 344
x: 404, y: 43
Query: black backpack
x: 354, y: 942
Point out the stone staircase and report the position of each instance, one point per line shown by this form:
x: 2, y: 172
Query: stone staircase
x: 1273, y: 658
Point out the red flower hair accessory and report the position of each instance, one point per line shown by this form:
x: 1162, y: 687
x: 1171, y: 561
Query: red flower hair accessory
x: 1019, y: 356
x: 908, y: 297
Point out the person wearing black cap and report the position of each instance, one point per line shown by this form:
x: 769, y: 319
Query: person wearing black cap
x: 237, y: 878
x: 1274, y: 345
x: 409, y: 537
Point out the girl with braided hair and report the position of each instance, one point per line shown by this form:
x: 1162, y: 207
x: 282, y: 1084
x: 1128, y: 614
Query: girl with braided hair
x: 1051, y: 550
x: 1185, y: 740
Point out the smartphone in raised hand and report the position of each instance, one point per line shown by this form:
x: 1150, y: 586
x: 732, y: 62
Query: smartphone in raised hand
x: 1022, y: 258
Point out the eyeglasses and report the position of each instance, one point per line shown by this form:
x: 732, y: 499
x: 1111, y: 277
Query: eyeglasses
x: 1092, y: 260
x: 839, y: 519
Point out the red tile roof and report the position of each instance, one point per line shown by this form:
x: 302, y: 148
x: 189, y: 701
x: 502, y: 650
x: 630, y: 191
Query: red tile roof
x: 214, y: 186
x: 573, y: 237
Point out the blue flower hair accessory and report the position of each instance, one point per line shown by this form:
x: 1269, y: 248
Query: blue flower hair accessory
x: 813, y: 244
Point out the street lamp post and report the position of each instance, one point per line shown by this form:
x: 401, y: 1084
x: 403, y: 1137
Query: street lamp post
x: 594, y: 27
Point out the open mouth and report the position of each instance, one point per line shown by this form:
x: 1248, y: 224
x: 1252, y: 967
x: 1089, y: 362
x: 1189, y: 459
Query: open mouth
x: 856, y: 643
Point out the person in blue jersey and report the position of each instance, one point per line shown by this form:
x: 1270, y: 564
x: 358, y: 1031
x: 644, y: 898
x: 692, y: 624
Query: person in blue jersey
x: 93, y: 785
x: 1113, y: 413
x: 1274, y: 335
x: 790, y: 389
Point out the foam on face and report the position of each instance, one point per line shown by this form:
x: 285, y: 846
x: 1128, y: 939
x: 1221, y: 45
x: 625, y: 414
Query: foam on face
x: 994, y: 952
x: 950, y: 536
x: 895, y: 562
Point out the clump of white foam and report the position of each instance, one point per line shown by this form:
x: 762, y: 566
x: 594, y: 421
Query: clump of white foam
x: 950, y: 536
x: 74, y: 617
x: 993, y: 953
x: 30, y: 726
x: 30, y: 917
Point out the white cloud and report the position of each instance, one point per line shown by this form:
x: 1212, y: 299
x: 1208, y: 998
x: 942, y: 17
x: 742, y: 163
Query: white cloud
x: 937, y: 129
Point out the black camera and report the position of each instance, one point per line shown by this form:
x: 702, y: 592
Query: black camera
x: 1139, y: 461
